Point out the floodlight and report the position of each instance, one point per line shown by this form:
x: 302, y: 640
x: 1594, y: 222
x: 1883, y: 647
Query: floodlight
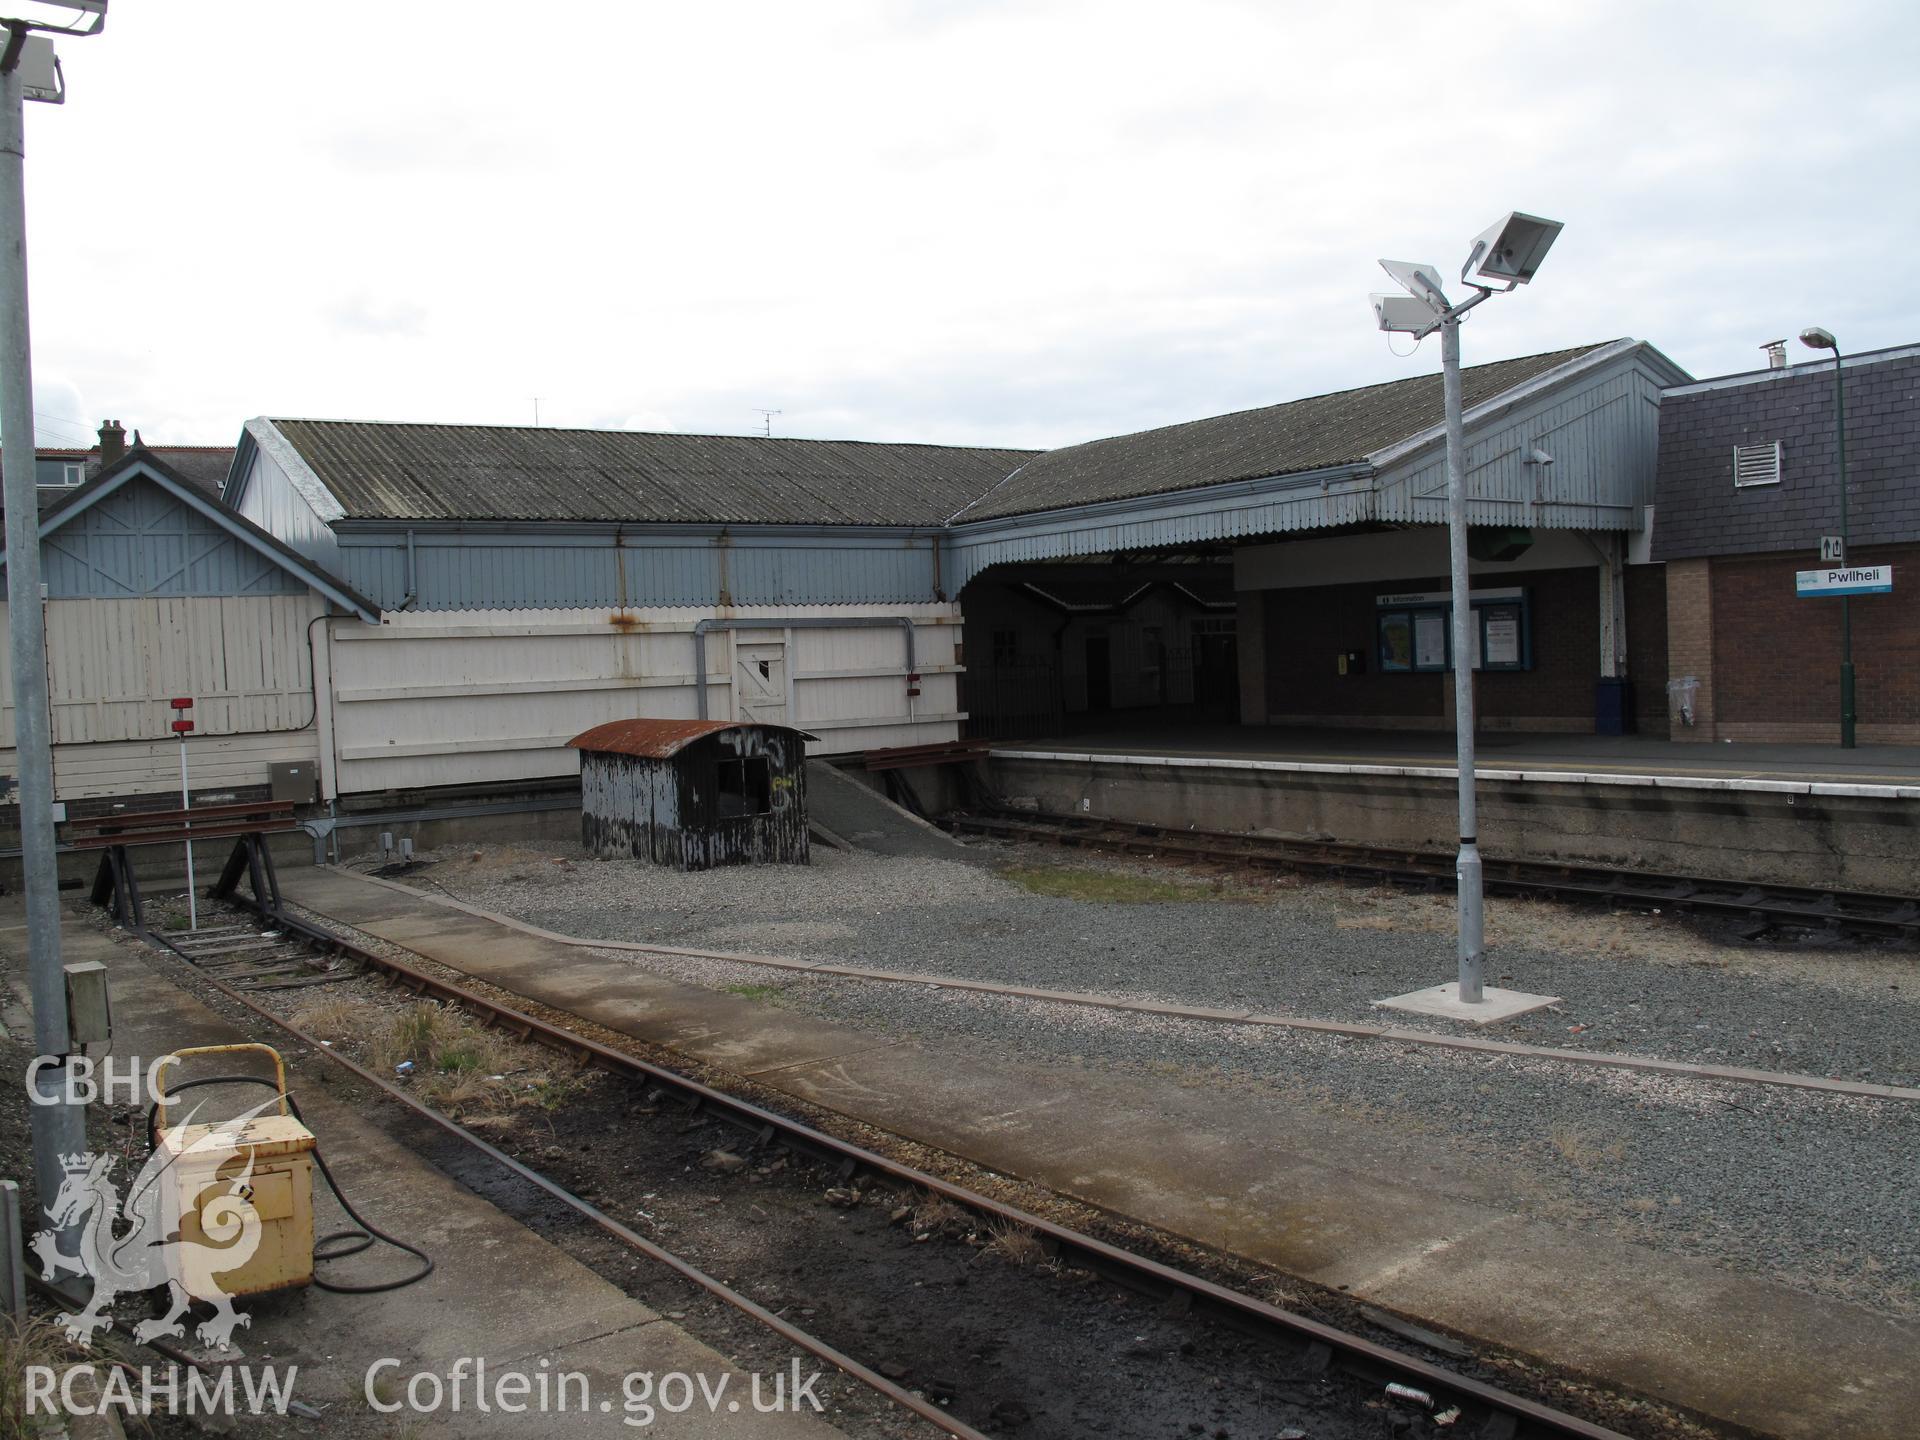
x: 1420, y: 281
x: 1814, y: 338
x: 1403, y: 312
x: 40, y: 71
x: 62, y: 17
x: 1510, y: 250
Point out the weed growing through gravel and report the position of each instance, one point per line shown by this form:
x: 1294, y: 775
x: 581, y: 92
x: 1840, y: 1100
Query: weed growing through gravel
x: 1014, y: 1243
x: 31, y: 1341
x: 1067, y: 882
x: 475, y: 1075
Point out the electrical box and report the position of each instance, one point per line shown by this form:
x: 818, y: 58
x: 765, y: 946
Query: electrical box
x: 227, y: 1179
x: 291, y: 780
x: 89, y: 1010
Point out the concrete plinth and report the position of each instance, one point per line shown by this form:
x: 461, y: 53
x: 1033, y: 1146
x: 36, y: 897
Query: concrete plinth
x: 1444, y: 1001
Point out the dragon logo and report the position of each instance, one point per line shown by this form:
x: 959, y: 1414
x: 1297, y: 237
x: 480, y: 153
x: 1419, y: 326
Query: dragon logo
x: 190, y: 1218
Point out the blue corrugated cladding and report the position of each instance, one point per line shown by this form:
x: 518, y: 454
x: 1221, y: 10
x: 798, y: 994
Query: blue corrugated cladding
x: 492, y: 571
x: 142, y: 541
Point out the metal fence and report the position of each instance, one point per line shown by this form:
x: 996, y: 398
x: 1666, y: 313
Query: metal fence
x: 1005, y: 702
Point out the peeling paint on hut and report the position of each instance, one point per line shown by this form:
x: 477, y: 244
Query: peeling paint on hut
x: 694, y: 794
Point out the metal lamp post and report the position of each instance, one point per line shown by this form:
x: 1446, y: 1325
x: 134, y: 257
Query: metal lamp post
x: 1507, y: 253
x: 29, y: 71
x: 1814, y: 338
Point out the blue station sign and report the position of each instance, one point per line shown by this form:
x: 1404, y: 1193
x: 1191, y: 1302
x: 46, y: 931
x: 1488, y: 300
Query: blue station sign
x: 1845, y: 580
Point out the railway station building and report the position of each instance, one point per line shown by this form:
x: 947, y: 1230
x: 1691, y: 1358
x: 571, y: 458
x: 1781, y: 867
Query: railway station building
x: 1279, y: 566
x: 1748, y: 487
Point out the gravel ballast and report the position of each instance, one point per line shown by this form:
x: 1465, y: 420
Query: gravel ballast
x: 1638, y: 984
x: 1812, y: 1190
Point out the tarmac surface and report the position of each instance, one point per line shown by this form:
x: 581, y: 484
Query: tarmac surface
x: 1436, y: 1243
x: 1590, y: 754
x: 499, y: 1293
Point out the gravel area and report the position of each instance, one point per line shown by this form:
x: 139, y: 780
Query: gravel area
x: 1814, y: 1191
x: 1640, y: 984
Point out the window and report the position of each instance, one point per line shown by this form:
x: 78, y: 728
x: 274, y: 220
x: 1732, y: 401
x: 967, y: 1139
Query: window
x: 1006, y: 648
x: 72, y: 474
x: 746, y: 788
x: 1756, y: 465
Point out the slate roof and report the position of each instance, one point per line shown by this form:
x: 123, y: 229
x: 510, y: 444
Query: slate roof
x: 392, y: 471
x: 202, y: 466
x: 1698, y: 511
x: 1323, y: 430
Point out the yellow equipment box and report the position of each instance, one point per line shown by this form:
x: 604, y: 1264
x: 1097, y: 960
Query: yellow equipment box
x: 238, y: 1194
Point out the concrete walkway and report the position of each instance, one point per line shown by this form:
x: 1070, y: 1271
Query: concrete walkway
x: 498, y: 1292
x: 1438, y: 1244
x: 1618, y: 755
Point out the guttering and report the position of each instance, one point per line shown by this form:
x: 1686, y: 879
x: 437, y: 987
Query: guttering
x: 810, y: 622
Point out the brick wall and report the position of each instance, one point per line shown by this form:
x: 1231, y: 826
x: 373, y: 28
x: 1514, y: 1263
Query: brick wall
x: 1690, y: 639
x: 1307, y: 629
x: 1777, y: 657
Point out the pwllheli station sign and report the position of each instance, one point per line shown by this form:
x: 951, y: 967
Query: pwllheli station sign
x: 1845, y: 580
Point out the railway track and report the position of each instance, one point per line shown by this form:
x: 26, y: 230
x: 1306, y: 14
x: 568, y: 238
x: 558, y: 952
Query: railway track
x: 1410, y: 1394
x: 1752, y: 908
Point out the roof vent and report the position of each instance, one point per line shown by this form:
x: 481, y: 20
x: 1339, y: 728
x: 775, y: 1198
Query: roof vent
x: 1776, y: 354
x: 1756, y: 464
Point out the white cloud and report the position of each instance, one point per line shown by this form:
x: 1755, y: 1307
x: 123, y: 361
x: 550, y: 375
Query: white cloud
x: 978, y: 222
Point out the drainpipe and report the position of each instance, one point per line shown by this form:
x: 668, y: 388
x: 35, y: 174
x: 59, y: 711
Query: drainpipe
x: 855, y: 622
x: 413, y: 577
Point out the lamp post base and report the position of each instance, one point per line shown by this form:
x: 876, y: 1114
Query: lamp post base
x: 1445, y: 1002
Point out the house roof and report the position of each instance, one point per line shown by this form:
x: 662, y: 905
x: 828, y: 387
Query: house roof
x: 141, y: 462
x: 391, y: 471
x: 1341, y: 428
x: 203, y: 466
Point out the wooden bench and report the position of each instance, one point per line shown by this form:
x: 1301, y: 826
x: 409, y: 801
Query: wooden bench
x: 247, y: 824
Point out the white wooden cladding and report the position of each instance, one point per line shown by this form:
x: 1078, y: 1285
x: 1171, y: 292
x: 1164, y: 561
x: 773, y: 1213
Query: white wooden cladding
x: 113, y: 665
x: 489, y: 697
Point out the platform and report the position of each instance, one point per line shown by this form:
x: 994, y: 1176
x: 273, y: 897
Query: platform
x: 1500, y: 754
x: 1443, y: 1242
x: 498, y: 1292
x: 1800, y: 815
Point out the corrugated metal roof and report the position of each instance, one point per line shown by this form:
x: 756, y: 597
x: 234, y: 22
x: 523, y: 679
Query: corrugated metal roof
x: 1312, y: 434
x: 658, y: 739
x: 389, y: 471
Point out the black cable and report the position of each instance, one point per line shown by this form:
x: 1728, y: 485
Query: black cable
x: 350, y: 1242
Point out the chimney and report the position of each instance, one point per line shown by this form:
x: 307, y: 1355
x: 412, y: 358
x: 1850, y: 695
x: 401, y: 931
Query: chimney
x: 1776, y: 354
x: 113, y: 442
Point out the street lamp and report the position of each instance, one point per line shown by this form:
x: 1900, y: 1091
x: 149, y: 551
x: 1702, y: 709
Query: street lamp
x: 1506, y: 254
x: 1814, y: 338
x: 29, y: 71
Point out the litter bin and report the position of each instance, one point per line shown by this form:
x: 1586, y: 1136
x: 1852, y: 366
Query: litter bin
x: 1612, y: 707
x: 1680, y: 696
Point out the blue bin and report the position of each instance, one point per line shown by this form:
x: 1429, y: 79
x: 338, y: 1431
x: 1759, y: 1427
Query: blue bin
x: 1612, y: 707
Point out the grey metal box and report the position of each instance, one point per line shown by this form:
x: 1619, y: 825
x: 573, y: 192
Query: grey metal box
x: 89, y: 1011
x: 291, y: 780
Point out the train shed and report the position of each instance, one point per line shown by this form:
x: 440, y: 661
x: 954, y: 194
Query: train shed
x: 694, y: 794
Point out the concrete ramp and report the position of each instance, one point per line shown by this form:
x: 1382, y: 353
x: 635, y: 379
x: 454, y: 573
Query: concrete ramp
x: 850, y: 811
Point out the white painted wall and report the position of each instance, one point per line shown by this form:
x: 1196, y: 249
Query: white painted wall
x: 487, y: 697
x: 112, y: 666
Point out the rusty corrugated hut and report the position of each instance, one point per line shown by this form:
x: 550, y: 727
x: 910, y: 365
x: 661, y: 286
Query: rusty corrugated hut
x: 694, y: 794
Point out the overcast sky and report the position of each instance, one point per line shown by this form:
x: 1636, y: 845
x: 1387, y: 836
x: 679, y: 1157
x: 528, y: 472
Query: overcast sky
x: 994, y: 223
